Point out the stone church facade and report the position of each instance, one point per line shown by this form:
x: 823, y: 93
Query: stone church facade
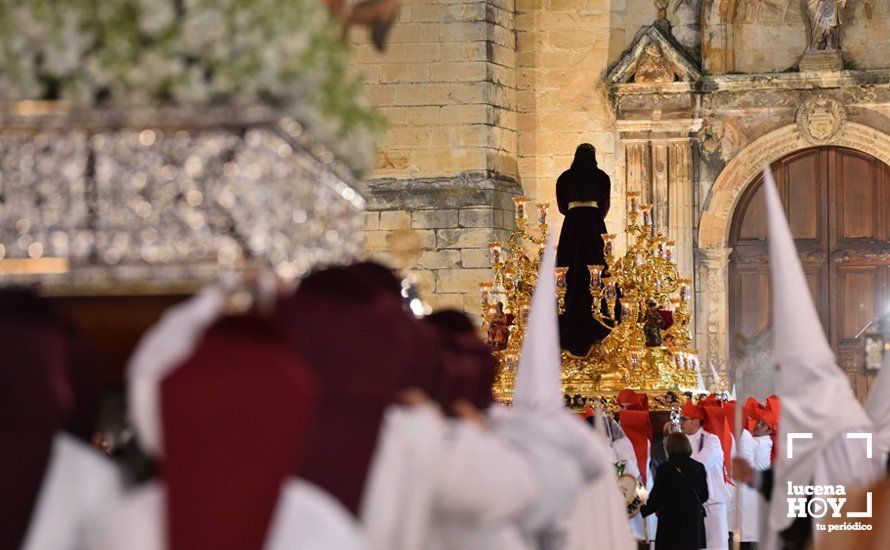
x: 685, y: 102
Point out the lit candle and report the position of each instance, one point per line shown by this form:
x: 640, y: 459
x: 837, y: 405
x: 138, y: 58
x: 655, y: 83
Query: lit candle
x: 646, y: 209
x: 632, y: 199
x: 485, y: 289
x: 496, y: 247
x: 520, y: 203
x: 542, y: 213
x: 596, y: 272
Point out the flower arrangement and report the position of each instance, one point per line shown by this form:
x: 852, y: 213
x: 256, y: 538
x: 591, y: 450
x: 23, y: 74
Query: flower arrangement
x: 190, y: 53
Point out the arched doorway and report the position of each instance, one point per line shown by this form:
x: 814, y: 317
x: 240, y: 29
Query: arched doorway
x: 837, y: 201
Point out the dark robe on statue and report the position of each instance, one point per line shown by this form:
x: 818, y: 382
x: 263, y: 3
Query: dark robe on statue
x: 680, y: 490
x: 580, y: 245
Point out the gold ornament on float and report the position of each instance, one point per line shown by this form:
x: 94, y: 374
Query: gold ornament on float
x: 639, y: 295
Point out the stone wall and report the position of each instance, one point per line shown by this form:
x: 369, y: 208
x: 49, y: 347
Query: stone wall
x: 864, y: 38
x: 447, y: 168
x: 563, y: 48
x: 447, y: 88
x: 450, y: 221
x: 770, y: 35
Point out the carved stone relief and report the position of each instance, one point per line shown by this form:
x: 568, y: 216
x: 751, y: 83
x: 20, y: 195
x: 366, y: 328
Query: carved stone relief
x: 653, y: 67
x: 654, y: 57
x: 720, y: 137
x: 820, y: 119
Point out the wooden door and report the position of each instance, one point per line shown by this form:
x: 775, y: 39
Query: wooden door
x: 838, y: 206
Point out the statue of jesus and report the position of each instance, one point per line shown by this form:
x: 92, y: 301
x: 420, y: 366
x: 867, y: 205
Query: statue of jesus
x: 582, y: 195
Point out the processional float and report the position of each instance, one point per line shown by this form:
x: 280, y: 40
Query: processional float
x: 639, y: 295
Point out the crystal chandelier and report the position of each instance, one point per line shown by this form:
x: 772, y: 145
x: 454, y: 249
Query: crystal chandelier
x: 165, y: 198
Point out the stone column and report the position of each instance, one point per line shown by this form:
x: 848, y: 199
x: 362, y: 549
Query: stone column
x: 661, y: 182
x: 680, y: 205
x: 638, y: 168
x: 712, y: 319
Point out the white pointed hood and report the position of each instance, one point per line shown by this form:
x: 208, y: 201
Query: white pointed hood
x: 700, y: 381
x: 878, y: 407
x: 715, y: 378
x: 538, y: 388
x: 815, y: 393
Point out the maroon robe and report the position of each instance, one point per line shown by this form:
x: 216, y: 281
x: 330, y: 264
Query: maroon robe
x: 48, y: 382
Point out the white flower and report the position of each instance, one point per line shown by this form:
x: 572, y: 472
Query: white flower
x: 208, y: 50
x: 155, y: 16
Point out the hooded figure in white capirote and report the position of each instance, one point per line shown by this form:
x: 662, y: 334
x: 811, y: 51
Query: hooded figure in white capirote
x: 579, y: 493
x: 817, y: 401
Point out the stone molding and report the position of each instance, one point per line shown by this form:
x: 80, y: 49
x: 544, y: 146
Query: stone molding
x: 744, y: 167
x: 671, y: 58
x: 439, y: 229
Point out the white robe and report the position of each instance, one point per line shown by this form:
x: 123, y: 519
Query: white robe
x: 599, y: 517
x: 564, y: 457
x: 581, y: 507
x: 397, y: 507
x: 437, y: 484
x: 756, y: 452
x: 624, y: 451
x: 878, y: 408
x: 483, y: 486
x: 706, y: 449
x: 79, y: 486
x: 306, y: 518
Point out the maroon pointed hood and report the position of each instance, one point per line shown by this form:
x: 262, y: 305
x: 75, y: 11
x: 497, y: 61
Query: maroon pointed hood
x: 234, y: 420
x: 467, y: 368
x: 352, y: 329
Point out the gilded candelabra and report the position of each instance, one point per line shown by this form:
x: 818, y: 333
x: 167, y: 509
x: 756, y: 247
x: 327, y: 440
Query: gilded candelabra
x: 515, y: 264
x: 631, y: 295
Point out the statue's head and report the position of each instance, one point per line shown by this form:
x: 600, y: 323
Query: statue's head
x: 653, y: 50
x: 585, y: 156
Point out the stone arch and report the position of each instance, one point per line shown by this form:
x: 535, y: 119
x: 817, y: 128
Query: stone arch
x: 740, y: 172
